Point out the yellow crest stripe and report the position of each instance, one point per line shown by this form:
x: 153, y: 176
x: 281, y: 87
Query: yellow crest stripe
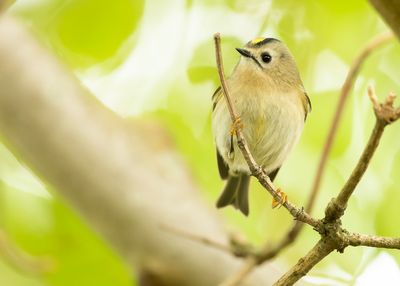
x: 257, y: 40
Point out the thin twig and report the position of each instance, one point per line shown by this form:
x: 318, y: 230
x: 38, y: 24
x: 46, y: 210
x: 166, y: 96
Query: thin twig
x: 198, y: 238
x: 333, y: 235
x: 247, y: 267
x: 21, y: 260
x: 344, y: 94
x: 220, y: 65
x: 357, y: 239
x: 385, y: 114
x: 384, y: 111
x: 255, y: 169
x: 336, y: 237
x: 336, y: 210
x: 290, y: 236
x: 253, y: 261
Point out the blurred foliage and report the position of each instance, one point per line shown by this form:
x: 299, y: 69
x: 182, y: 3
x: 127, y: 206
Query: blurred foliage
x: 83, y: 33
x: 156, y: 59
x: 46, y: 227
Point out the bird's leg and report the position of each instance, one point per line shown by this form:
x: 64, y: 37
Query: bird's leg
x: 283, y: 199
x: 236, y: 125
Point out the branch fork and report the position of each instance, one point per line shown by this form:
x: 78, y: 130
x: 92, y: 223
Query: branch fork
x: 333, y: 235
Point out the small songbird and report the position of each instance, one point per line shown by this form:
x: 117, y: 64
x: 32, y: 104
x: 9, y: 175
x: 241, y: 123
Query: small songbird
x: 268, y: 95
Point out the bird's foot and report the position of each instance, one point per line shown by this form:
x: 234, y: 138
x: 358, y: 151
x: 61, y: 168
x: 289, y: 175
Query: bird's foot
x: 236, y: 125
x: 283, y: 199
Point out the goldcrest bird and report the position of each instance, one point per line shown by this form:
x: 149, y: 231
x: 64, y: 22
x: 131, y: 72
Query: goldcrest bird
x: 268, y: 96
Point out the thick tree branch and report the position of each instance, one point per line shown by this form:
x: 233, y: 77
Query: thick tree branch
x: 91, y: 157
x: 337, y: 239
x: 122, y: 177
x: 305, y: 264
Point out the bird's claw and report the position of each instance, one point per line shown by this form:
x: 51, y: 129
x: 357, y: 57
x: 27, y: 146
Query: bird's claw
x: 283, y: 199
x: 236, y: 125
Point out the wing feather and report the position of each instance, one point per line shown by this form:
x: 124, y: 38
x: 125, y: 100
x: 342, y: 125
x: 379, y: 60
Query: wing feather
x: 222, y: 167
x: 216, y: 97
x: 306, y: 104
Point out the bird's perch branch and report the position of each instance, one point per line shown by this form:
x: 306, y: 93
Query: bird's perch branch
x: 333, y: 235
x: 91, y: 157
x: 290, y: 236
x: 390, y: 11
x: 298, y: 213
x: 255, y: 169
x: 336, y: 237
x: 306, y: 263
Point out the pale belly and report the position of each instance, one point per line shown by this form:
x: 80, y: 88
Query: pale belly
x: 272, y: 126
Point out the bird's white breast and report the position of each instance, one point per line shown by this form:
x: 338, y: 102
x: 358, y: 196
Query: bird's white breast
x: 272, y: 119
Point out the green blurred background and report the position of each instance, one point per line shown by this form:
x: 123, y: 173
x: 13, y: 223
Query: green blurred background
x: 155, y: 59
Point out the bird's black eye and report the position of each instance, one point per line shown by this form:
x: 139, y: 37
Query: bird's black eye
x: 266, y: 57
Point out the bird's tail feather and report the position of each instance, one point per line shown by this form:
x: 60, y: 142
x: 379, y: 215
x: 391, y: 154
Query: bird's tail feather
x: 236, y: 193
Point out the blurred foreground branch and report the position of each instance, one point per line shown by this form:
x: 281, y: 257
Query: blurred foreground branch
x: 118, y: 175
x: 122, y: 177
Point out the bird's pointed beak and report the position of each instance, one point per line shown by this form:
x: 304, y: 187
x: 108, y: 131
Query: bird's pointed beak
x: 244, y: 52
